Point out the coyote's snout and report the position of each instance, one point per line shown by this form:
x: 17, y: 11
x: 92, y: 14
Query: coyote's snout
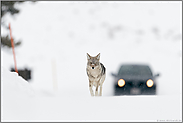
x: 96, y: 73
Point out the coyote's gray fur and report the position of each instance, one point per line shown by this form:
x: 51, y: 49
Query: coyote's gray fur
x: 96, y: 73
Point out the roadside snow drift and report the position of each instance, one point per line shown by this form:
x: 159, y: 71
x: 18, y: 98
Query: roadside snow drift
x: 13, y: 85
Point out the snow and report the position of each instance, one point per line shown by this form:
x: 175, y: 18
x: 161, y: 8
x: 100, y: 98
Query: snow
x: 20, y: 104
x: 55, y: 39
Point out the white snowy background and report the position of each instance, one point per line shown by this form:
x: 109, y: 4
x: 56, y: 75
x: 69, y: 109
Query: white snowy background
x: 55, y: 39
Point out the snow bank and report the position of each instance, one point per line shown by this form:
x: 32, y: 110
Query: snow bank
x: 13, y: 85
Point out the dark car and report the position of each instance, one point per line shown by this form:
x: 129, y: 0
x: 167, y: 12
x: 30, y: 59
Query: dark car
x: 134, y: 79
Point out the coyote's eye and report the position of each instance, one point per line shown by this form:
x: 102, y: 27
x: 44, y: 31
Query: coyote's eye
x: 90, y: 62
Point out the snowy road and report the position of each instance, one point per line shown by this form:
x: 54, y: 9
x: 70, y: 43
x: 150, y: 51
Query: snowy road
x: 20, y: 102
x: 124, y: 108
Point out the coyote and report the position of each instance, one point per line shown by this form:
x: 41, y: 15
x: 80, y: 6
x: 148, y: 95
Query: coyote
x: 96, y: 73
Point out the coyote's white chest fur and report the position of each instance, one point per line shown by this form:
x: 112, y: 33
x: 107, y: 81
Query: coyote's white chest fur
x: 96, y: 74
x: 95, y: 78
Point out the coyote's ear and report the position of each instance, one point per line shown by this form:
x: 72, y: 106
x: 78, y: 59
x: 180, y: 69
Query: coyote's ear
x: 98, y: 56
x: 88, y: 56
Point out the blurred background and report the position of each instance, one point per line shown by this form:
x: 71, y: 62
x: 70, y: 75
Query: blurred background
x: 52, y: 38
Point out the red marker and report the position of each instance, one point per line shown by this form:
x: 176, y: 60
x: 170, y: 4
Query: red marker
x: 12, y: 44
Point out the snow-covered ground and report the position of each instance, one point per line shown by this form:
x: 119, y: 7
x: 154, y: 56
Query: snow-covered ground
x: 55, y: 39
x: 20, y: 102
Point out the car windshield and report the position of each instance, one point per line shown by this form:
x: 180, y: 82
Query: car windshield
x: 135, y: 70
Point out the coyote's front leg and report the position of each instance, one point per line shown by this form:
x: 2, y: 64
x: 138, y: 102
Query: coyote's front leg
x: 100, y: 90
x: 90, y: 87
x: 96, y: 92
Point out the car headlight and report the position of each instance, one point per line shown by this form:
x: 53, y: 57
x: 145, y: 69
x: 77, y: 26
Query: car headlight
x: 149, y: 83
x: 121, y: 82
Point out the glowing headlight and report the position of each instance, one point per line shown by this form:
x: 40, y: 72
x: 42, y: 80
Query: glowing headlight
x: 149, y: 83
x: 121, y: 82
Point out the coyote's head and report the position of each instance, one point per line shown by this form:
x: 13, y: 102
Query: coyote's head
x: 93, y: 62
